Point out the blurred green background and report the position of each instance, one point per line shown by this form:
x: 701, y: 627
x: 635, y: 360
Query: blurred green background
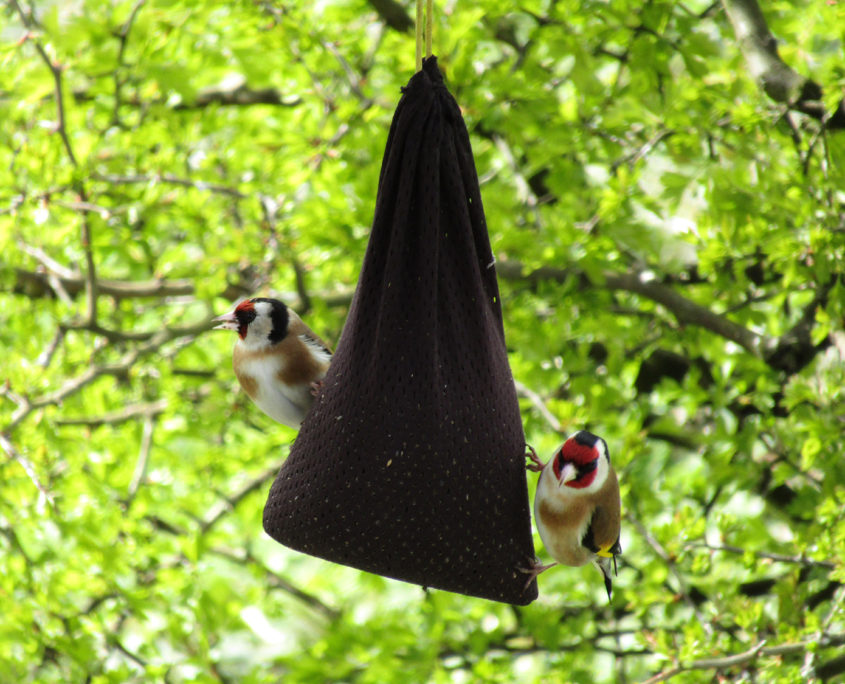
x: 670, y: 240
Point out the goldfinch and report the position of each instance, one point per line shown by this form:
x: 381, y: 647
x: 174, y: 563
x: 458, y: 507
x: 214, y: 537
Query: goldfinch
x: 278, y: 360
x: 577, y: 507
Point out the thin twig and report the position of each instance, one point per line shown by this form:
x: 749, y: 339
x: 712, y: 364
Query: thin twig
x: 758, y: 650
x: 643, y: 150
x: 301, y: 288
x: 115, y: 335
x: 123, y: 39
x: 46, y: 357
x: 128, y: 413
x: 523, y: 187
x: 809, y: 668
x: 129, y: 654
x: 777, y: 557
x: 59, y: 289
x: 143, y: 459
x: 279, y: 582
x: 61, y: 127
x: 47, y: 261
x: 94, y: 372
x: 664, y: 676
x: 56, y: 70
x: 230, y: 502
x: 670, y: 563
x: 638, y: 282
x: 351, y: 76
x: 539, y: 404
x: 158, y: 289
x: 91, y: 208
x: 27, y: 465
x: 170, y: 179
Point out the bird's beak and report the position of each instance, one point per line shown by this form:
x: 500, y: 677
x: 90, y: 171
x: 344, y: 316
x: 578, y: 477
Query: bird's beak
x: 227, y: 322
x: 568, y: 473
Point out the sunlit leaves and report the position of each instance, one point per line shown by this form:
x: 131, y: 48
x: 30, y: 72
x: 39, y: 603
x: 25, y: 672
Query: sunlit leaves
x: 609, y: 137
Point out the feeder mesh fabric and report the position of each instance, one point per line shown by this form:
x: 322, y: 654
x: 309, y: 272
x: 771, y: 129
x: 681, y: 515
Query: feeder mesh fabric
x: 411, y: 462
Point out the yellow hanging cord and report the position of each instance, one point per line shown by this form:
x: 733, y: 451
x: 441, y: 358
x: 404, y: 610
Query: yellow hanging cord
x: 419, y: 28
x: 429, y: 25
x: 429, y: 28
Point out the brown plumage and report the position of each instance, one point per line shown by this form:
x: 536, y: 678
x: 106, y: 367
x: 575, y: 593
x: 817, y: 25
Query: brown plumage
x: 277, y: 359
x: 564, y: 520
x: 577, y: 507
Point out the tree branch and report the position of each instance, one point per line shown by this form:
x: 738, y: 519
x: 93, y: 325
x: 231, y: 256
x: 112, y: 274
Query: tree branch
x: 123, y: 38
x: 226, y: 504
x: 279, y: 582
x: 143, y: 458
x: 169, y: 178
x: 657, y: 547
x: 26, y: 406
x: 523, y: 390
x: 27, y: 465
x: 246, y: 558
x: 393, y: 14
x: 759, y: 650
x: 56, y: 70
x: 35, y: 284
x: 795, y: 349
x: 790, y: 352
x: 778, y: 80
x: 685, y: 310
x: 240, y: 96
x: 46, y: 357
x: 129, y: 413
x: 301, y: 288
x: 61, y: 127
x: 777, y: 557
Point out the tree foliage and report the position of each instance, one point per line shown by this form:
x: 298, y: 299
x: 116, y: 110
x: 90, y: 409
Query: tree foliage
x: 670, y: 235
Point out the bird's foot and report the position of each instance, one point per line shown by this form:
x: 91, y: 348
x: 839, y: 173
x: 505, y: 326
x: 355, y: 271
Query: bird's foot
x: 316, y: 386
x: 536, y: 465
x: 535, y: 569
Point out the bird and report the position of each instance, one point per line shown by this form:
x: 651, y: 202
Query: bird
x: 577, y: 507
x: 279, y: 362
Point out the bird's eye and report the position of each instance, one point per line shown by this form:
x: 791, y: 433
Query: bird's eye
x: 557, y: 464
x: 245, y: 316
x: 587, y: 468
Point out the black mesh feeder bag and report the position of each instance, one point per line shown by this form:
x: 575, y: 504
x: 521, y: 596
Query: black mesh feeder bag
x: 411, y: 462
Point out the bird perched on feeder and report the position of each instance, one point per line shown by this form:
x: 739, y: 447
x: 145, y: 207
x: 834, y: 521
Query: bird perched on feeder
x: 278, y: 360
x: 577, y: 506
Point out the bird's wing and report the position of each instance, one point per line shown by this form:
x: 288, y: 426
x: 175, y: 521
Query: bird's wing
x: 599, y: 537
x: 602, y: 535
x: 298, y: 328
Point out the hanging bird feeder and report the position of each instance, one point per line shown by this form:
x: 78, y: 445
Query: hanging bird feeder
x: 411, y: 462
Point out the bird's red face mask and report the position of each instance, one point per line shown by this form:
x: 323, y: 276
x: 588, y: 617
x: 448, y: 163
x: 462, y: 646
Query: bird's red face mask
x: 575, y: 464
x: 239, y: 319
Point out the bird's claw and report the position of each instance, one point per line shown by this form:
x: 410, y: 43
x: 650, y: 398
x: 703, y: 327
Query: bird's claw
x: 536, y: 465
x: 536, y: 568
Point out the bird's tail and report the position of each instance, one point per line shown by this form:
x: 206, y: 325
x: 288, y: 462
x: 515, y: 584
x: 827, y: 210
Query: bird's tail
x: 604, y: 564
